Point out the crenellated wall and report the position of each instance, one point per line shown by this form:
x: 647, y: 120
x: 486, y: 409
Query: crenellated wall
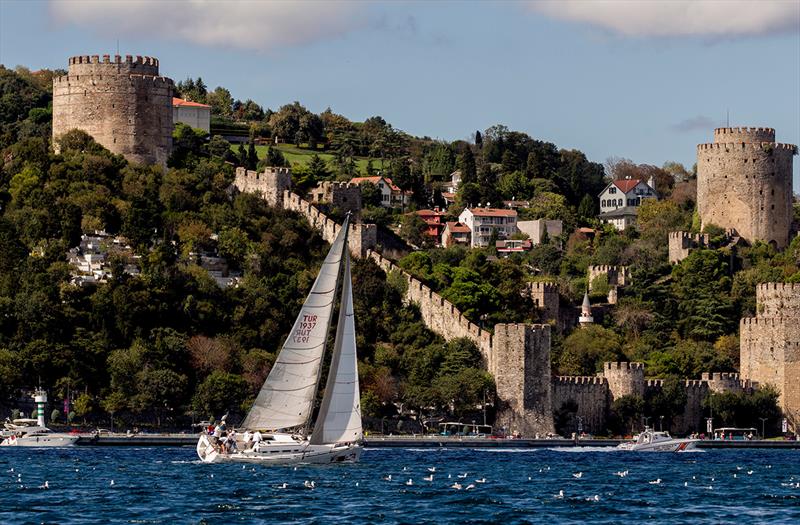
x: 624, y: 379
x: 590, y: 393
x: 545, y: 297
x: 617, y: 275
x: 271, y: 183
x: 341, y: 195
x: 682, y: 243
x: 770, y: 345
x: 122, y: 103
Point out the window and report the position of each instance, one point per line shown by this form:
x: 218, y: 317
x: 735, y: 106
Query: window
x: 612, y: 190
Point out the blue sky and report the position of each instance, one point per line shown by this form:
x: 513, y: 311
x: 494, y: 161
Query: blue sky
x: 642, y: 80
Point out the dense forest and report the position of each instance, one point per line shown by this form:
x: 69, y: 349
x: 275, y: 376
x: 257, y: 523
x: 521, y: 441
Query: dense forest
x: 166, y: 344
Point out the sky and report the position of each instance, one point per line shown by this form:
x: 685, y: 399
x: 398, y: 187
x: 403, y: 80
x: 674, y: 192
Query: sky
x: 644, y: 80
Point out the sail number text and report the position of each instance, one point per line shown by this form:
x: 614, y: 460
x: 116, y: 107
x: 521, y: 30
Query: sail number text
x: 303, y: 331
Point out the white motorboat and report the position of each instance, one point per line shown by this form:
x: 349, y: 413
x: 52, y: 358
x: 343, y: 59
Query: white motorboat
x: 28, y: 433
x: 652, y: 441
x: 280, y: 419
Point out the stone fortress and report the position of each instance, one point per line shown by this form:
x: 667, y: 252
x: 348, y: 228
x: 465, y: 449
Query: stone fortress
x: 122, y: 102
x: 744, y: 185
x: 518, y: 355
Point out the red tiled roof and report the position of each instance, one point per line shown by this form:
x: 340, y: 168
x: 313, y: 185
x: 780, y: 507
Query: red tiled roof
x: 626, y: 185
x: 492, y: 212
x: 430, y: 213
x: 179, y: 102
x: 375, y: 180
x: 457, y: 227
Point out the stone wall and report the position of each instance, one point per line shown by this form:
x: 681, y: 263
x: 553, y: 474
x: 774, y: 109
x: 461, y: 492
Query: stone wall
x: 340, y: 195
x: 590, y: 393
x: 624, y: 379
x: 545, y: 298
x: 122, y: 103
x: 682, y: 243
x: 617, y: 275
x: 271, y: 183
x: 770, y: 345
x: 744, y: 183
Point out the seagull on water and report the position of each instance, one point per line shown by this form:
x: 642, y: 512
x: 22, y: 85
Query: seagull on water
x: 482, y: 480
x: 112, y: 481
x: 428, y: 478
x: 409, y: 482
x: 560, y: 495
x: 596, y: 497
x: 431, y: 469
x: 387, y: 478
x: 283, y: 486
x: 578, y: 475
x: 462, y: 476
x: 45, y: 486
x: 470, y: 486
x: 456, y: 486
x: 656, y: 482
x: 749, y: 472
x: 309, y: 484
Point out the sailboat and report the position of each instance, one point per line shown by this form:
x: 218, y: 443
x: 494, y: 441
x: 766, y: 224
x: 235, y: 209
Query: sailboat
x: 280, y: 420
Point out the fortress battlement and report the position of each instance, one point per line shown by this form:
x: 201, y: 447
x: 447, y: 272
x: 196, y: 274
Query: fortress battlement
x: 744, y: 134
x: 622, y: 365
x: 720, y: 376
x: 580, y: 380
x: 768, y: 288
x: 695, y: 383
x: 606, y: 268
x: 747, y: 146
x: 118, y: 59
x: 543, y: 286
x: 654, y: 383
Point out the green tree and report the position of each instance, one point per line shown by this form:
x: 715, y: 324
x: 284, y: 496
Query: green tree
x: 584, y: 351
x: 219, y: 393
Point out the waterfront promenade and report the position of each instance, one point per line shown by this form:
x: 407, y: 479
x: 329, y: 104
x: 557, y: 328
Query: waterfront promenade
x: 434, y: 441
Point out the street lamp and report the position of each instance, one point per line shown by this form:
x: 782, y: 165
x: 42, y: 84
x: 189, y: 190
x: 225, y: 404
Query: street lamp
x: 763, y: 420
x: 646, y: 419
x: 580, y: 426
x: 661, y: 423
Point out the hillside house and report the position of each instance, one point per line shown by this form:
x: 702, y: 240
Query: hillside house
x: 620, y: 200
x: 434, y: 222
x: 483, y: 222
x: 537, y: 229
x: 391, y: 195
x: 191, y: 113
x: 508, y: 246
x: 456, y: 233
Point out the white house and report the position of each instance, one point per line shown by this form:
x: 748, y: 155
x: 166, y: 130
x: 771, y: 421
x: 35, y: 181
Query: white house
x: 391, y: 195
x: 455, y: 182
x: 482, y: 222
x: 191, y: 113
x: 620, y: 200
x: 537, y: 228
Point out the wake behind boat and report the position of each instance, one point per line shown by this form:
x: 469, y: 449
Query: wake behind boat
x: 652, y: 441
x: 276, y: 430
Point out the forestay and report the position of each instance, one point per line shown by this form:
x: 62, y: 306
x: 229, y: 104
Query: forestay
x: 287, y: 396
x: 339, y: 418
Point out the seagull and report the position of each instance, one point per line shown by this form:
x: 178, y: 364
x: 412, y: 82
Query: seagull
x: 482, y: 480
x: 428, y: 478
x: 621, y: 474
x: 596, y: 497
x: 356, y: 483
x: 410, y: 482
x: 112, y: 481
x: 405, y: 468
x: 45, y: 486
x: 431, y: 469
x: 738, y: 467
x: 283, y: 486
x: 685, y: 483
x: 578, y: 475
x: 308, y: 484
x: 388, y: 478
x: 656, y: 482
x: 749, y: 472
x: 529, y: 478
x: 462, y: 476
x: 560, y: 495
x: 456, y: 486
x: 470, y: 486
x: 734, y: 474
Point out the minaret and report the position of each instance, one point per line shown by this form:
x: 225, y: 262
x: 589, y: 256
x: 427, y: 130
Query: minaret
x: 586, y: 311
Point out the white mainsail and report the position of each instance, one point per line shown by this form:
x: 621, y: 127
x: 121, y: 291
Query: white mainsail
x: 287, y: 397
x: 339, y: 418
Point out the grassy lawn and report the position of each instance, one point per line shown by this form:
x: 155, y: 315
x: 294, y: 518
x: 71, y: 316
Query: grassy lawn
x: 302, y: 156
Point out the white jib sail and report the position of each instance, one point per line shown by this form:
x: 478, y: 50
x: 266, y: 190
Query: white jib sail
x: 339, y: 418
x: 287, y: 396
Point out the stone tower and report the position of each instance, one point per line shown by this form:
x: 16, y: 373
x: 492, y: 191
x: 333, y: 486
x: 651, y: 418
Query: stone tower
x: 769, y: 351
x: 744, y: 182
x: 121, y: 102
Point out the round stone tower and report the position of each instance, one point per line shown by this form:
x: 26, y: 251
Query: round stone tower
x: 744, y: 183
x: 121, y: 102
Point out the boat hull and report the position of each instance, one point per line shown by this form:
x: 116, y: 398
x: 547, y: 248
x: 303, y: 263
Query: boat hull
x: 40, y: 441
x: 281, y: 453
x: 675, y: 445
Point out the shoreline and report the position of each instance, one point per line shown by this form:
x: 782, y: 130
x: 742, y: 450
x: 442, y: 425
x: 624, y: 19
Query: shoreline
x: 186, y: 440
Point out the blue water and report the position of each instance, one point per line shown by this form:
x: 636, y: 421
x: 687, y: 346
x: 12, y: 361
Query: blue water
x: 168, y: 485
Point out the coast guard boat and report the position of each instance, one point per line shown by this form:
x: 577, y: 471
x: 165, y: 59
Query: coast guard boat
x: 652, y: 441
x: 281, y: 417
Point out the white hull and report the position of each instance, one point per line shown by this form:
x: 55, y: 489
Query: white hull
x: 672, y: 445
x: 51, y: 440
x: 281, y: 453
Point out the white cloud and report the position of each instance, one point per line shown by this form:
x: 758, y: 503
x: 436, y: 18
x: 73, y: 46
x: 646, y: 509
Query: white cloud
x: 263, y: 25
x: 665, y: 18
